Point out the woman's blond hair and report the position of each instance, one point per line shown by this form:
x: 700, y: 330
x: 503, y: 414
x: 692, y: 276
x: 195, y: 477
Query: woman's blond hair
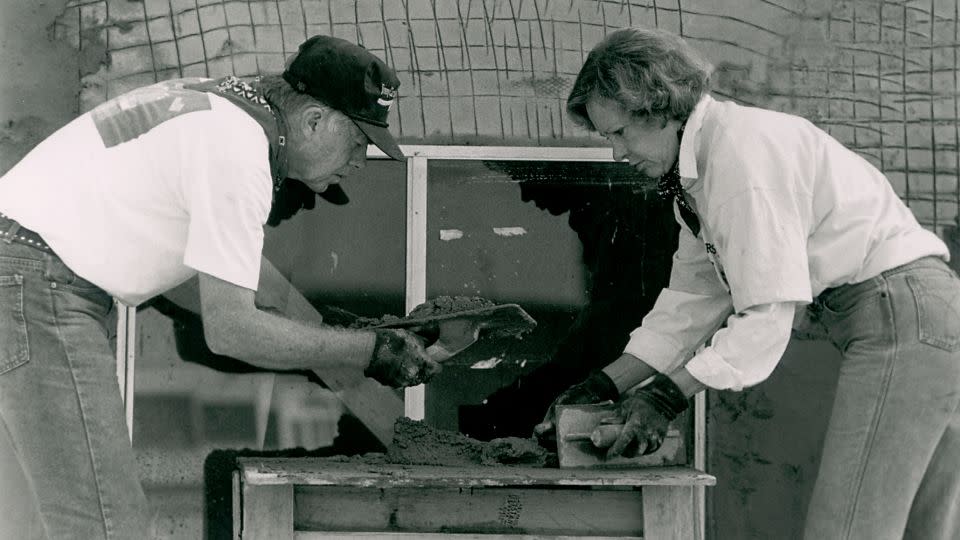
x: 649, y: 71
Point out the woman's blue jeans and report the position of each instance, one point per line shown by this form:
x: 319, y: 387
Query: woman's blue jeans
x: 61, y: 414
x: 890, y: 466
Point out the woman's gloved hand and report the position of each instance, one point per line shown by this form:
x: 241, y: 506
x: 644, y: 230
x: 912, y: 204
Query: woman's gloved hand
x: 647, y: 415
x: 596, y: 388
x: 400, y: 360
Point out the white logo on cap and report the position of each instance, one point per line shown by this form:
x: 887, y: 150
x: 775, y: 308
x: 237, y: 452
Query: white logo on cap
x: 386, y: 96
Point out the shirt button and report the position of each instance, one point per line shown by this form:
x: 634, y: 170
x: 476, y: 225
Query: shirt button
x: 53, y: 285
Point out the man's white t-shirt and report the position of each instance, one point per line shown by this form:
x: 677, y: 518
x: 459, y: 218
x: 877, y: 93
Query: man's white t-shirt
x: 141, y: 193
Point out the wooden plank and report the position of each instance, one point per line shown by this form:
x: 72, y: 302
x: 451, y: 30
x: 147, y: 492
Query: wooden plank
x: 668, y: 513
x: 503, y: 153
x: 126, y: 356
x: 316, y: 535
x: 613, y: 512
x: 700, y: 456
x: 319, y: 471
x: 236, y: 507
x: 267, y: 513
x: 377, y: 406
x: 416, y: 265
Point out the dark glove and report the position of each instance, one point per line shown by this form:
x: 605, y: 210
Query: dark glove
x: 399, y: 360
x: 596, y: 388
x: 647, y: 414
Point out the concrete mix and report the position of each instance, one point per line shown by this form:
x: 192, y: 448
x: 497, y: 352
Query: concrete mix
x: 416, y: 443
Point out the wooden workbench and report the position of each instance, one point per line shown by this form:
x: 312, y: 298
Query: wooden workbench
x: 313, y: 499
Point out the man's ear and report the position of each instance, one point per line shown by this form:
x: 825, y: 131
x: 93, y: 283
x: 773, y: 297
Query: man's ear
x: 311, y: 119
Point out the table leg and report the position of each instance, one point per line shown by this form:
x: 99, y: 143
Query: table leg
x: 668, y: 513
x: 267, y: 512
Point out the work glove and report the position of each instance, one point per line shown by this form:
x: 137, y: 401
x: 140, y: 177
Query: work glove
x: 400, y: 360
x: 647, y: 415
x: 596, y: 388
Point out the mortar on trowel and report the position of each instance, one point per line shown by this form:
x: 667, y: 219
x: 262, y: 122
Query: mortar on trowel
x: 586, y: 432
x: 457, y: 331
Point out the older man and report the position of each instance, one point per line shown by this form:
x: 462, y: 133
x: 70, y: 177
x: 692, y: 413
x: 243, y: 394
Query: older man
x: 135, y: 197
x: 779, y: 219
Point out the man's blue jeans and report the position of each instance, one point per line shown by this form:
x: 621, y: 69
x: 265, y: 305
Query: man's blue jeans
x: 60, y: 407
x: 890, y: 467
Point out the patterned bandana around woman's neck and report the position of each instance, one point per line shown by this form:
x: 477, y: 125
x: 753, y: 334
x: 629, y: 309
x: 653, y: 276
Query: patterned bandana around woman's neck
x: 669, y: 187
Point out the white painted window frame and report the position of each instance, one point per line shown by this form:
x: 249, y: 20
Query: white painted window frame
x: 126, y: 353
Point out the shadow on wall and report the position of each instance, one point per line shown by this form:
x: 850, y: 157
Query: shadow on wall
x: 764, y: 446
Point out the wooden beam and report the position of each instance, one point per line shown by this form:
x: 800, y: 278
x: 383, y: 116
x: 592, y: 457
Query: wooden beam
x: 377, y: 406
x: 614, y: 512
x: 370, y: 500
x: 267, y: 513
x: 325, y: 472
x: 416, y: 266
x: 315, y: 535
x: 669, y: 514
x: 501, y: 153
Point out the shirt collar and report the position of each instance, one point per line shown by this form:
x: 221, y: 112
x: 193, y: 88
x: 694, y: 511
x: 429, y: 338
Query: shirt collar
x: 688, y: 152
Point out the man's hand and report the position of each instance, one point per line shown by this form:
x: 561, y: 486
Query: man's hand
x: 596, y: 388
x: 647, y: 415
x: 399, y: 360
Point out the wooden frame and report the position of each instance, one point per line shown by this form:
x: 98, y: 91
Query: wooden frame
x: 320, y: 499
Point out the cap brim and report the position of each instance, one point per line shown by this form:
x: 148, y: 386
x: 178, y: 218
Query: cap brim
x: 335, y: 194
x: 381, y: 137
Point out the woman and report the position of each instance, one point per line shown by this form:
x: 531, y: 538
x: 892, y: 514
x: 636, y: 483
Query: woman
x: 780, y: 222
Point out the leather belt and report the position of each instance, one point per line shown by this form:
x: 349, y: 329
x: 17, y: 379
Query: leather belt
x: 11, y: 231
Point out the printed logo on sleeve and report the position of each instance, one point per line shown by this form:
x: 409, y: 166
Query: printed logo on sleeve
x: 715, y: 259
x: 133, y: 114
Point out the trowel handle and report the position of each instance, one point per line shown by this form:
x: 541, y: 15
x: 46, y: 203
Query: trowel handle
x: 604, y: 435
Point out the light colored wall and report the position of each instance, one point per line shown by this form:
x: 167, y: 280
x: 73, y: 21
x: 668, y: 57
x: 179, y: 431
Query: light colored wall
x: 40, y: 84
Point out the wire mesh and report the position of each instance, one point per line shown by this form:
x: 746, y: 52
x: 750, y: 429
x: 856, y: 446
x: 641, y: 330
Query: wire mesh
x: 880, y: 76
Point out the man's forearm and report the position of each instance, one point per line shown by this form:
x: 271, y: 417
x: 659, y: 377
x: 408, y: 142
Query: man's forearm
x: 275, y: 342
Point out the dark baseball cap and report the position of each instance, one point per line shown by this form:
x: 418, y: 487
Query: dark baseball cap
x: 350, y: 79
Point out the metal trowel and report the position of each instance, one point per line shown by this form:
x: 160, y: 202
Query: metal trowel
x: 455, y: 336
x: 459, y: 330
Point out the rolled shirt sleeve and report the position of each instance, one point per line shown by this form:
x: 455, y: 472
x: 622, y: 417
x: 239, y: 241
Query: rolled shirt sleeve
x: 747, y: 350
